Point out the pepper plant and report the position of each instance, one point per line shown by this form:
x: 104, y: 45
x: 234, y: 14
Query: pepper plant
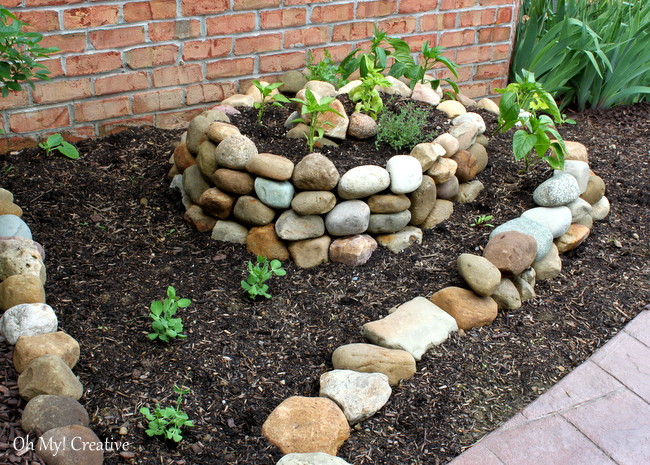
x: 311, y: 107
x: 366, y: 95
x: 268, y: 99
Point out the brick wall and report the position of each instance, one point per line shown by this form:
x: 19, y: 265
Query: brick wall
x: 160, y: 62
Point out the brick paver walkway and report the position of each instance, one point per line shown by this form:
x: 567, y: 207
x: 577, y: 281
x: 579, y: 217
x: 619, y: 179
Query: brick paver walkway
x: 599, y: 414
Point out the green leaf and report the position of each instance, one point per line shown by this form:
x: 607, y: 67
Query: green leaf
x: 522, y: 144
x: 68, y: 150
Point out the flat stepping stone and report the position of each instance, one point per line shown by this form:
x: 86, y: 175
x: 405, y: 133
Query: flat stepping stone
x: 369, y: 358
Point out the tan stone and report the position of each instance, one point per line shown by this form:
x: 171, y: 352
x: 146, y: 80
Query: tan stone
x: 307, y: 424
x: 451, y: 108
x: 10, y: 208
x: 368, y: 358
x: 198, y: 127
x: 576, y: 151
x: 335, y: 125
x: 315, y: 172
x: 479, y: 152
x: 422, y: 200
x: 549, y: 266
x: 219, y: 130
x: 47, y: 412
x: 239, y: 100
x: 270, y: 166
x: 59, y: 343
x: 511, y: 252
x: 196, y: 218
x: 233, y: 181
x: 388, y: 203
x: 194, y: 184
x: 206, y: 159
x: 251, y: 210
x: 449, y: 189
x: 264, y: 241
x: 506, y: 295
x: 80, y: 446
x: 48, y: 374
x: 21, y: 289
x: 571, y: 239
x: 427, y: 154
x: 468, y: 309
x: 467, y: 165
x: 353, y: 250
x: 313, y: 202
x: 442, y: 210
x: 488, y: 105
x: 479, y: 273
x: 468, y: 191
x: 217, y: 203
x: 448, y: 142
x: 443, y: 170
x: 595, y: 190
x: 309, y: 253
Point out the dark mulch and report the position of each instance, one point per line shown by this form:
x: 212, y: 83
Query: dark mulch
x: 115, y: 239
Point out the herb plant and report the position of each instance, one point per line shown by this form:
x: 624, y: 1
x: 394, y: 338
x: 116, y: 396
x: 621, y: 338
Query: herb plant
x: 366, y: 95
x: 404, y: 129
x: 56, y: 142
x: 406, y: 66
x: 164, y: 324
x: 376, y: 58
x: 482, y: 222
x: 260, y: 273
x: 168, y: 421
x: 275, y: 100
x: 312, y: 107
x: 325, y: 70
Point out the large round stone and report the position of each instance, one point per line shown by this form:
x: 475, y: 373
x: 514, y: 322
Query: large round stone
x: 386, y: 223
x: 253, y: 211
x: 80, y: 446
x: 315, y: 172
x: 348, y: 218
x: 468, y: 309
x: 11, y: 225
x: 369, y: 358
x: 560, y: 189
x: 275, y: 194
x: 235, y: 152
x: 49, y: 374
x: 292, y: 227
x: 555, y: 219
x: 364, y: 181
x: 27, y: 320
x: 46, y: 412
x: 405, y: 174
x: 543, y: 237
x: 313, y: 202
x: 59, y: 343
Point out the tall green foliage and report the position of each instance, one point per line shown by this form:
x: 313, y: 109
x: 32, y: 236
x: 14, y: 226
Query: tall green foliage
x: 586, y: 53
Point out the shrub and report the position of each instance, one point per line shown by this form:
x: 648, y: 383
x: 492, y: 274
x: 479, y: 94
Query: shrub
x: 404, y: 129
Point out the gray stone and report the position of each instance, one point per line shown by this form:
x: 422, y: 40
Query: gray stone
x: 292, y: 81
x: 315, y: 172
x: 27, y: 320
x: 442, y: 210
x: 11, y: 225
x: 422, y: 200
x: 348, y: 218
x: 369, y: 358
x: 558, y: 190
x: 46, y: 412
x: 470, y: 117
x: 449, y: 189
x: 468, y: 191
x: 401, y: 240
x: 363, y: 181
x: 600, y: 209
x: 198, y: 128
x: 194, y: 184
x: 362, y: 126
x: 506, y: 295
x: 549, y: 266
x: 479, y: 273
x: 48, y: 374
x: 313, y: 202
x: 229, y: 231
x: 541, y: 234
x: 526, y: 291
x: 313, y: 458
x: 405, y: 174
x: 293, y: 227
x: 275, y: 194
x: 253, y: 211
x: 579, y: 170
x: 235, y: 152
x: 387, y: 223
x: 555, y: 219
x: 80, y: 446
x: 579, y: 208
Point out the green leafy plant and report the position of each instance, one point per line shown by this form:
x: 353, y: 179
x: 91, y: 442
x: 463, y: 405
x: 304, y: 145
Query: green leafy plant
x: 404, y: 129
x: 311, y: 107
x: 482, y: 221
x: 164, y: 324
x: 19, y: 51
x: 56, y: 142
x: 376, y: 58
x: 258, y: 274
x: 169, y: 421
x: 268, y: 98
x: 520, y: 105
x: 366, y: 95
x: 325, y: 70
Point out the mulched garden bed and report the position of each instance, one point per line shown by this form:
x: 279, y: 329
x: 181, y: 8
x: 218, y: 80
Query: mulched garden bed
x: 115, y: 239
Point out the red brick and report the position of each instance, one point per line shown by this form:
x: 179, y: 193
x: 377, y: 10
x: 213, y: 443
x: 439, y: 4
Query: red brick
x: 146, y: 11
x: 282, y: 62
x: 122, y: 124
x: 56, y: 117
x: 474, y: 90
x: 176, y: 119
x: 438, y: 22
x: 494, y: 34
x: 214, y: 92
x: 477, y: 17
x: 78, y: 133
x: 497, y: 84
x: 146, y: 57
x: 417, y: 6
x: 457, y: 38
x: 116, y: 37
x: 456, y: 4
x: 66, y: 43
x: 211, y: 48
x: 95, y: 63
x: 352, y: 31
x: 415, y: 42
x: 177, y: 75
x: 121, y: 83
x: 204, y: 7
x: 332, y: 13
x: 401, y: 25
x: 376, y: 8
x: 157, y: 100
x: 297, y: 2
x: 475, y: 54
x: 255, y: 4
x: 98, y: 110
x: 227, y: 68
x: 174, y: 30
x: 54, y: 66
x: 230, y: 24
x: 496, y: 2
x: 39, y: 20
x: 464, y: 73
x: 60, y: 91
x: 504, y: 15
x: 93, y: 16
x: 501, y: 52
x: 285, y: 17
x: 31, y: 3
x: 11, y: 3
x: 17, y: 143
x: 15, y: 99
x: 491, y: 71
x: 338, y: 52
x: 302, y: 37
x: 258, y: 43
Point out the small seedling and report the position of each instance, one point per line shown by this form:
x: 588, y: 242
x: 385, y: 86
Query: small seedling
x: 482, y: 222
x: 275, y: 100
x: 314, y: 107
x: 56, y: 142
x: 164, y: 324
x: 366, y: 95
x: 258, y: 274
x: 168, y: 421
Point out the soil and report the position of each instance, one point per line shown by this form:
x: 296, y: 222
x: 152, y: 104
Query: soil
x: 115, y: 239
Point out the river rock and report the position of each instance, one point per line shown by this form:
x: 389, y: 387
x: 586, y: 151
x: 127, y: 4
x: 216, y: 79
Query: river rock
x: 307, y: 424
x: 479, y: 273
x: 470, y: 117
x: 293, y: 227
x: 424, y: 93
x: 352, y: 251
x: 467, y: 165
x: 10, y: 208
x: 313, y: 202
x: 415, y: 326
x: 465, y: 133
x: 13, y: 226
x: 6, y: 196
x: 363, y: 181
x: 206, y: 159
x: 388, y: 223
x: 506, y: 295
x: 448, y: 142
x: 362, y: 126
x: 349, y: 86
x: 59, y: 343
x: 549, y: 266
x: 422, y: 200
x: 405, y: 174
x: 388, y: 203
x: 368, y: 358
x: 335, y: 124
x: 397, y: 87
x: 21, y: 289
x: 264, y: 241
x: 468, y: 191
x: 579, y: 170
x: 468, y: 309
x: 229, y: 231
x: 427, y: 154
x: 451, y: 108
x: 488, y: 105
x: 576, y: 151
x: 267, y: 165
x: 198, y: 219
x: 292, y: 81
x: 27, y: 320
x: 542, y: 235
x: 442, y: 210
x: 235, y: 152
x: 321, y: 88
x: 555, y: 219
x: 449, y: 189
x: 275, y: 194
x: 217, y: 203
x: 558, y: 190
x: 579, y: 208
x: 360, y: 395
x: 194, y: 184
x: 595, y: 189
x: 600, y: 209
x: 239, y: 100
x: 219, y: 130
x: 586, y: 220
x: 511, y: 251
x: 310, y: 252
x: 198, y: 128
x: 479, y: 152
x: 443, y: 170
x: 253, y: 211
x: 254, y: 92
x: 314, y: 458
x: 81, y: 446
x: 298, y: 131
x: 48, y: 374
x: 571, y: 239
x: 525, y: 290
x: 46, y: 412
x: 348, y: 218
x: 315, y: 172
x: 233, y: 181
x: 401, y: 240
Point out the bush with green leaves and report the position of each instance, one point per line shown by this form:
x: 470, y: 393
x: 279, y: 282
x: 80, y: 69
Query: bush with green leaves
x: 402, y: 130
x: 311, y: 107
x: 19, y: 51
x: 366, y: 96
x: 56, y: 142
x: 164, y: 324
x: 268, y: 98
x: 325, y: 70
x: 591, y: 54
x: 258, y: 274
x: 527, y: 105
x: 169, y: 421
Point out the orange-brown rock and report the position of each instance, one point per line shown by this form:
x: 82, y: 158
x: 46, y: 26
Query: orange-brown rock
x: 195, y: 217
x: 21, y: 289
x: 467, y: 165
x: 217, y: 203
x: 571, y: 239
x: 468, y: 309
x: 233, y: 181
x: 511, y: 252
x: 183, y: 159
x: 264, y: 241
x: 59, y: 343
